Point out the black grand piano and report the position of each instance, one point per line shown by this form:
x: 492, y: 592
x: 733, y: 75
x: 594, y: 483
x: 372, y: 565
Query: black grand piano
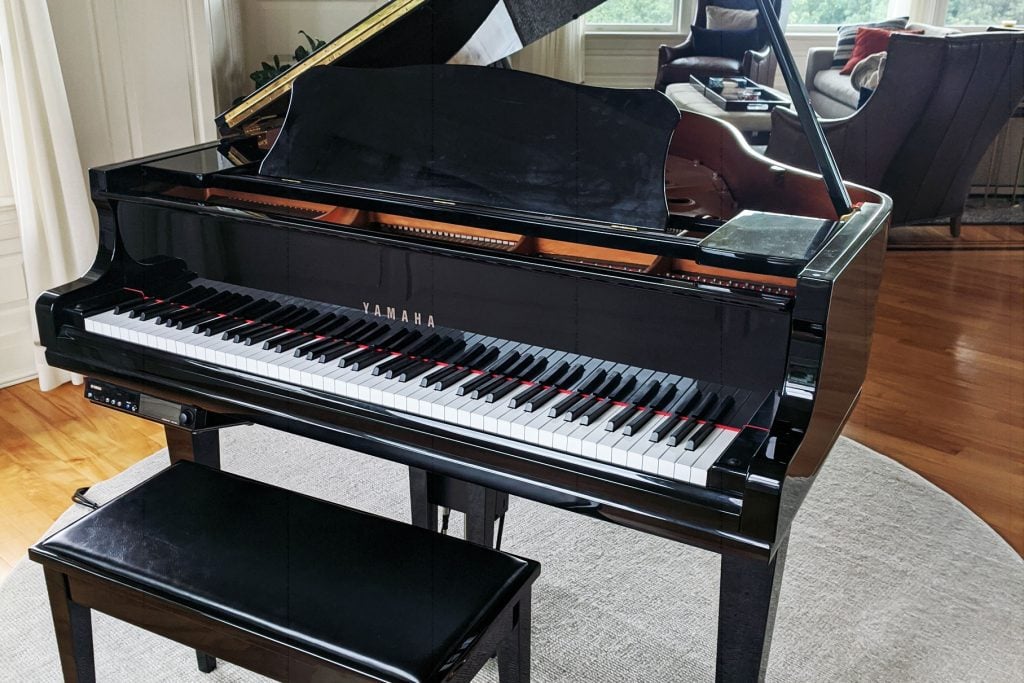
x: 511, y: 284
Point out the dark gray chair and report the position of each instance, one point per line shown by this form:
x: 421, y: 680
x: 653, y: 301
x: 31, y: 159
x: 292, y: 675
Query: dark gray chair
x: 939, y: 105
x: 676, y: 63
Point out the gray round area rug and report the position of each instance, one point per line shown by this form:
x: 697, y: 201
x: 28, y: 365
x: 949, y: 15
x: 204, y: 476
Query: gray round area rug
x: 887, y: 579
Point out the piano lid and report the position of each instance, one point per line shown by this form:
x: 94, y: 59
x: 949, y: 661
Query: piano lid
x: 484, y: 137
x: 408, y: 32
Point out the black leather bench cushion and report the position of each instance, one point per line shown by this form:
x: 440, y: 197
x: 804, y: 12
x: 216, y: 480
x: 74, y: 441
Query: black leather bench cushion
x: 380, y: 596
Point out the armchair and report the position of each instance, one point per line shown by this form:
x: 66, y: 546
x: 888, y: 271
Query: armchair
x: 939, y: 105
x: 677, y: 63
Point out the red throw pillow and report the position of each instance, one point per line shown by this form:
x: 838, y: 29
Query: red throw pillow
x: 868, y: 42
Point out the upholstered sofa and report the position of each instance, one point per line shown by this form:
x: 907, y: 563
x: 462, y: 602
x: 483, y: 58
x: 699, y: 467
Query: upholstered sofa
x: 939, y: 105
x: 831, y: 93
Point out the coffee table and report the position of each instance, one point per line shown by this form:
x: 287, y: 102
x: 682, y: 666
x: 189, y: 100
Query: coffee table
x: 756, y: 126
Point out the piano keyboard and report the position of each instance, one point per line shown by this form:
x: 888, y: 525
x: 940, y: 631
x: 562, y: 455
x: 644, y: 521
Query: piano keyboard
x: 654, y: 422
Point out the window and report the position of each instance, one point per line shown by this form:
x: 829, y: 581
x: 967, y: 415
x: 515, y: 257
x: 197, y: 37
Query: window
x: 634, y: 15
x: 983, y: 12
x: 838, y: 12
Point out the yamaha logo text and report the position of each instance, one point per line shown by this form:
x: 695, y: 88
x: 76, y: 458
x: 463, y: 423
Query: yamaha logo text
x: 392, y: 313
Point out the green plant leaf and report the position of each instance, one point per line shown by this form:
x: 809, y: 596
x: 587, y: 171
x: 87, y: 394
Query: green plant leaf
x: 301, y: 53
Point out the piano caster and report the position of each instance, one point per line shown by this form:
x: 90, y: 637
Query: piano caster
x: 481, y: 505
x: 746, y: 614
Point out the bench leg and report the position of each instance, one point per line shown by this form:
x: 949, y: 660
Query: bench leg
x: 514, y: 651
x: 202, y: 448
x: 72, y: 624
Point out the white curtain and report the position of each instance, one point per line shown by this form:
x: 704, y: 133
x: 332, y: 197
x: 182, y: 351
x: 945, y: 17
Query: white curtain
x: 58, y: 236
x: 558, y: 54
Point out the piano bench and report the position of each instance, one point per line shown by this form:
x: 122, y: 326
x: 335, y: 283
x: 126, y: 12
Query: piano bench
x: 286, y: 585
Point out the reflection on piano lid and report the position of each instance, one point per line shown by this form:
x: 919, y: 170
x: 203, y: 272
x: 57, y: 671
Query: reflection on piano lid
x: 406, y: 32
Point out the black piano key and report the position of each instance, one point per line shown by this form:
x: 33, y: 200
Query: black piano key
x: 276, y: 315
x: 238, y: 333
x: 285, y: 337
x: 664, y: 397
x: 334, y: 328
x: 554, y: 389
x: 564, y: 405
x: 655, y: 404
x: 191, y: 295
x: 504, y: 390
x: 407, y: 342
x: 698, y: 437
x: 570, y: 378
x: 284, y: 345
x: 335, y: 350
x: 367, y: 359
x: 148, y: 305
x: 130, y: 305
x: 156, y: 311
x: 370, y: 334
x: 441, y: 349
x: 353, y: 360
x: 524, y: 396
x: 532, y: 372
x: 320, y: 323
x: 195, y: 319
x: 170, y: 317
x: 407, y: 363
x: 459, y: 371
x: 678, y: 407
x: 594, y: 412
x: 591, y: 382
x: 607, y: 387
x: 452, y: 379
x: 471, y: 355
x: 620, y: 418
x: 692, y: 420
x: 642, y: 417
x: 347, y: 332
x: 515, y: 371
x: 469, y: 387
x: 313, y: 346
x: 296, y: 319
x: 259, y: 310
x: 645, y: 394
x: 438, y: 375
x: 497, y: 367
x: 271, y: 332
x: 424, y: 345
x: 394, y: 339
x: 485, y: 388
x: 416, y: 370
x: 504, y: 364
x: 213, y: 301
x: 237, y: 303
x: 218, y: 326
x: 387, y: 366
x: 540, y: 399
x: 452, y: 349
x: 712, y: 420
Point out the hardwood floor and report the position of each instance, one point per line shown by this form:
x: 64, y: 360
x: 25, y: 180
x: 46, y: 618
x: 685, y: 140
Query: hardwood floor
x: 944, y: 396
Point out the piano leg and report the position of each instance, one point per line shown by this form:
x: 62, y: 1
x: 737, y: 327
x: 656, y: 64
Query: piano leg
x: 746, y: 614
x: 202, y: 448
x: 481, y: 505
x: 424, y: 512
x: 199, y: 447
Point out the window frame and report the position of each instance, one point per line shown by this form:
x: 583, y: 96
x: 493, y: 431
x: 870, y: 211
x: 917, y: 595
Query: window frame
x: 678, y: 9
